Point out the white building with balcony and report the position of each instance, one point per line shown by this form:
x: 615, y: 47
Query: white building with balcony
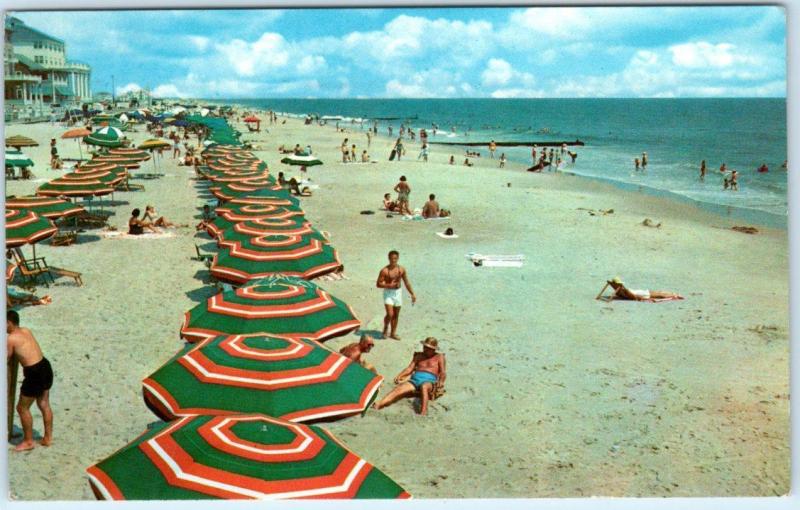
x: 35, y: 53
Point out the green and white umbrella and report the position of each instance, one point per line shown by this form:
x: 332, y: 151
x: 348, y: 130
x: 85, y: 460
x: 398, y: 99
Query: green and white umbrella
x: 242, y: 258
x: 243, y: 456
x: 105, y: 137
x: 283, y: 306
x: 17, y: 159
x: 294, y: 379
x: 301, y: 160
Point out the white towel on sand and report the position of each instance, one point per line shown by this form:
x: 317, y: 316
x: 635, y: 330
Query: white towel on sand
x: 479, y: 260
x: 445, y: 236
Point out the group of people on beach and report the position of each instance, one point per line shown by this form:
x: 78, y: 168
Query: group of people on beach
x: 149, y: 222
x: 431, y: 209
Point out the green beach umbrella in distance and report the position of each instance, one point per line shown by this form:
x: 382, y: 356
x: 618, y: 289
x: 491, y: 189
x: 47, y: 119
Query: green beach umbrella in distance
x: 230, y: 214
x: 260, y: 227
x: 17, y: 159
x: 26, y: 227
x: 75, y: 188
x: 105, y: 137
x: 242, y: 258
x: 293, y: 379
x: 47, y: 207
x: 284, y: 306
x: 244, y: 456
x: 301, y: 160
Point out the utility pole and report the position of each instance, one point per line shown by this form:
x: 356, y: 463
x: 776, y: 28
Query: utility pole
x: 113, y: 100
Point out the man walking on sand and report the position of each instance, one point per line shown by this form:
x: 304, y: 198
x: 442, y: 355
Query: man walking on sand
x: 389, y: 280
x: 38, y: 379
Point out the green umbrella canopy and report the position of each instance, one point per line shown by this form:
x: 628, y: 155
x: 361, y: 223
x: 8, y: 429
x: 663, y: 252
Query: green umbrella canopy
x: 228, y: 216
x: 111, y: 176
x: 292, y: 379
x: 230, y: 190
x: 247, y: 456
x: 109, y: 122
x: 299, y: 160
x: 280, y: 198
x: 243, y: 176
x: 246, y: 258
x: 124, y: 153
x: 47, y: 207
x: 17, y: 159
x: 75, y: 188
x: 105, y: 137
x: 282, y: 306
x: 260, y: 227
x: 26, y: 227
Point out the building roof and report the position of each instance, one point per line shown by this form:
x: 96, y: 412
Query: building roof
x: 30, y: 64
x: 17, y: 24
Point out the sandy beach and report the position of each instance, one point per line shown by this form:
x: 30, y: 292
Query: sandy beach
x: 550, y: 393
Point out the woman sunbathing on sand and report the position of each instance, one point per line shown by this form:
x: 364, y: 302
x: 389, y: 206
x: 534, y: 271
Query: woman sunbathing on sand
x: 622, y: 292
x: 150, y: 215
x: 136, y: 226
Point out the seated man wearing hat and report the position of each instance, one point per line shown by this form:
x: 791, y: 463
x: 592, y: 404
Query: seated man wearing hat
x: 623, y: 292
x: 426, y: 373
x: 355, y: 351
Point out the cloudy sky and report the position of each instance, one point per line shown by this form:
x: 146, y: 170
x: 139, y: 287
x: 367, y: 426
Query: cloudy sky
x: 494, y: 52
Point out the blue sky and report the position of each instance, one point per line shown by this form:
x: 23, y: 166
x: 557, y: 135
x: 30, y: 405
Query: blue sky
x: 469, y: 52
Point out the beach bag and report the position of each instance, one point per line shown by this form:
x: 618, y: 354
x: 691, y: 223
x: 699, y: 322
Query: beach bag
x: 392, y: 155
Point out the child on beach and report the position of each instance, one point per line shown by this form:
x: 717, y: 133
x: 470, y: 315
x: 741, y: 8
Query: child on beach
x: 353, y: 153
x: 364, y: 157
x: 502, y: 160
x: 388, y: 203
x: 423, y: 153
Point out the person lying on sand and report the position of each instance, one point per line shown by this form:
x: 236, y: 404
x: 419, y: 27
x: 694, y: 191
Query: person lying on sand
x: 622, y: 292
x: 136, y: 226
x: 425, y: 374
x: 150, y: 216
x: 356, y: 350
x: 22, y: 299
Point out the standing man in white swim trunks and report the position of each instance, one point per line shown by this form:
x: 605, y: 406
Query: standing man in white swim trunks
x: 389, y: 280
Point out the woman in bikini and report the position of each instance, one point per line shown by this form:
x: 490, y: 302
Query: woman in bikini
x: 150, y: 216
x: 623, y: 292
x: 403, y: 191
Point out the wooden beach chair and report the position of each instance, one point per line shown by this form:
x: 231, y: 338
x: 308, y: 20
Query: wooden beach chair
x: 69, y: 274
x: 205, y: 258
x: 64, y: 238
x: 31, y: 270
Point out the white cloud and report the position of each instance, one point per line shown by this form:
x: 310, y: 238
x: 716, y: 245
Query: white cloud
x: 199, y: 42
x: 167, y: 90
x: 518, y: 92
x: 703, y: 54
x: 508, y: 82
x: 498, y: 72
x: 310, y: 64
x: 268, y: 52
x: 131, y: 87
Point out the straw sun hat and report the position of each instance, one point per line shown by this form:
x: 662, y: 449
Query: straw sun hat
x: 431, y: 343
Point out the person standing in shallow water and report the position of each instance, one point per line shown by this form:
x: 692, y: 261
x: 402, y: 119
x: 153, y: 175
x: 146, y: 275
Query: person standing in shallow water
x: 703, y: 170
x: 390, y: 279
x: 38, y: 379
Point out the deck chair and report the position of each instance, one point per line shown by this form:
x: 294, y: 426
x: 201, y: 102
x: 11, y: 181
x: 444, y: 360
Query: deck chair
x: 93, y: 220
x: 31, y: 269
x: 205, y: 258
x: 64, y: 239
x: 69, y: 274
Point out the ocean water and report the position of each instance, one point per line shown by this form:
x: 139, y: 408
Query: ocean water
x: 676, y: 134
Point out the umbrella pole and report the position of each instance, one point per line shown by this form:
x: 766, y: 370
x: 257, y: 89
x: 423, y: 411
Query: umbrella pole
x: 80, y: 151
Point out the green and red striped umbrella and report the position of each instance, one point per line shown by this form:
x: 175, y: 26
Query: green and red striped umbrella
x: 141, y: 155
x: 293, y: 379
x: 247, y: 258
x: 47, y: 207
x: 260, y: 227
x: 228, y: 177
x: 26, y: 227
x: 230, y: 190
x: 17, y: 159
x: 282, y: 306
x: 118, y: 161
x: 227, y: 218
x: 280, y: 198
x: 247, y: 456
x: 75, y: 188
x: 111, y: 176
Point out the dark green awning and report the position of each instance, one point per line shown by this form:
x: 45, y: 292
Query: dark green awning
x: 65, y: 91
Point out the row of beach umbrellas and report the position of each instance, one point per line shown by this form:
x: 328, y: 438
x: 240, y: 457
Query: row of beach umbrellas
x: 239, y: 399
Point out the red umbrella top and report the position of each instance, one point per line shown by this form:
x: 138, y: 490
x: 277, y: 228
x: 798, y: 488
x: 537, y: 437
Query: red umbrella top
x: 76, y: 133
x: 252, y: 118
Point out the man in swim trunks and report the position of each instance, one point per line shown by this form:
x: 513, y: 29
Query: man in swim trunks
x: 431, y: 207
x: 38, y: 379
x: 426, y: 373
x: 389, y: 280
x: 356, y: 350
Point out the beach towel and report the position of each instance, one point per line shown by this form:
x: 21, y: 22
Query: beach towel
x: 445, y: 236
x: 418, y: 217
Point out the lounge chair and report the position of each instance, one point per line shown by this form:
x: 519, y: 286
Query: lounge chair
x: 93, y: 220
x: 64, y: 239
x: 69, y: 274
x: 205, y: 258
x: 31, y: 269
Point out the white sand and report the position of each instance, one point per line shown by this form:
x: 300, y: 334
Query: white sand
x: 550, y: 393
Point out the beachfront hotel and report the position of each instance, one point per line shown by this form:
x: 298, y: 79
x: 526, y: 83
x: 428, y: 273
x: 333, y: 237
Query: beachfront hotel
x: 38, y: 74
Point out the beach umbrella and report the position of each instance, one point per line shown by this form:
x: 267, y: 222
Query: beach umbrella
x: 229, y: 190
x: 75, y: 188
x: 118, y: 161
x: 293, y: 379
x: 152, y: 145
x: 46, y: 207
x: 120, y: 152
x: 105, y: 137
x: 123, y: 118
x: 17, y: 159
x: 113, y: 175
x: 252, y: 118
x: 243, y: 258
x: 281, y: 198
x: 26, y: 227
x: 245, y: 456
x: 301, y: 160
x: 229, y: 216
x: 283, y: 306
x: 266, y: 226
x: 77, y: 133
x: 19, y: 141
x: 204, y: 111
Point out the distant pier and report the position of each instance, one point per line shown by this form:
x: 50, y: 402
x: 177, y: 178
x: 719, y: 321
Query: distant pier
x: 515, y: 144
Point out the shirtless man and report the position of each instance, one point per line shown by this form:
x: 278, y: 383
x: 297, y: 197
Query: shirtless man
x: 356, y: 350
x: 431, y: 207
x: 426, y: 373
x: 389, y: 280
x: 38, y: 379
